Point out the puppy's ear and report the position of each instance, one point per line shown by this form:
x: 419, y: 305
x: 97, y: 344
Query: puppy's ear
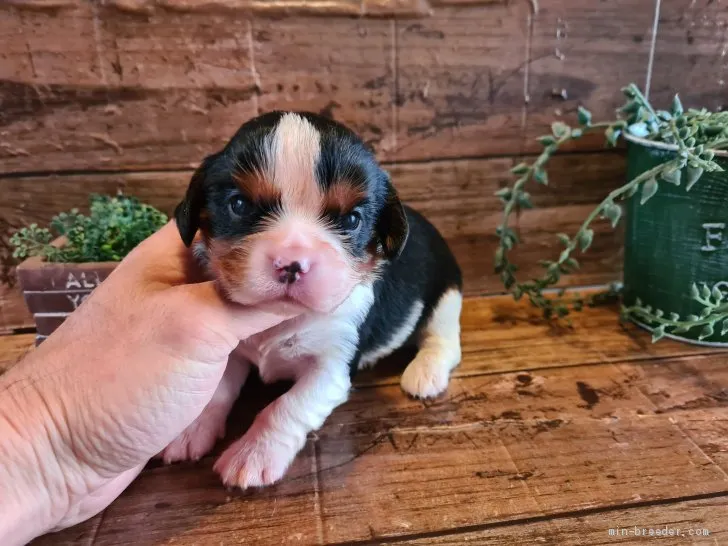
x: 392, y: 228
x: 187, y: 213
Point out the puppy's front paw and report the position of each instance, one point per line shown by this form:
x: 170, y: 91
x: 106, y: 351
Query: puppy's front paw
x: 424, y: 379
x: 259, y: 458
x: 198, y: 439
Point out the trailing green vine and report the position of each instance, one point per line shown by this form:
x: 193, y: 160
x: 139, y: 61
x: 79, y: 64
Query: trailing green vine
x: 696, y: 134
x: 715, y: 310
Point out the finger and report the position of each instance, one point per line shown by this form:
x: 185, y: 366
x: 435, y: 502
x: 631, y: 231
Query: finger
x: 161, y: 257
x: 205, y: 300
x: 100, y: 498
x: 165, y: 241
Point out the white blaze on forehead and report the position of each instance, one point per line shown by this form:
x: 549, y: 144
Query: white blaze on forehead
x: 294, y: 152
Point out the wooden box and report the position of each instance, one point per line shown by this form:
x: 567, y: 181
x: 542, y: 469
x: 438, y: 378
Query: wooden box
x: 53, y: 291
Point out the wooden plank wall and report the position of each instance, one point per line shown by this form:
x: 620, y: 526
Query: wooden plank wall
x: 106, y: 95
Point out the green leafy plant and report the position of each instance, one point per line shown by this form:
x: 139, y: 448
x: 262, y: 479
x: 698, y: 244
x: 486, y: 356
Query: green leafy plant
x: 113, y: 227
x: 697, y: 134
x: 715, y: 311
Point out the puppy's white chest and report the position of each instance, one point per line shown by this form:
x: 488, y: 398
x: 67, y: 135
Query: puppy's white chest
x: 291, y: 352
x: 291, y: 349
x: 280, y: 354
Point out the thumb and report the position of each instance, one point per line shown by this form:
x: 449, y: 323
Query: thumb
x: 240, y: 321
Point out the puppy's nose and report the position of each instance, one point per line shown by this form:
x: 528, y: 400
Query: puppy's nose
x: 289, y: 271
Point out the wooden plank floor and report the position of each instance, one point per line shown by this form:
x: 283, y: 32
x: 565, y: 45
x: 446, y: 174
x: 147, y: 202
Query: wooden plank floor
x: 546, y: 435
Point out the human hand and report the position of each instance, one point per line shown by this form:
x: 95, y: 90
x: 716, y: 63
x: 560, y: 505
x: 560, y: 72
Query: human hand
x: 117, y: 382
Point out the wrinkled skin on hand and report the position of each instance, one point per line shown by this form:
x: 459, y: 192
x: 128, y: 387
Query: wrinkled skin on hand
x: 125, y: 374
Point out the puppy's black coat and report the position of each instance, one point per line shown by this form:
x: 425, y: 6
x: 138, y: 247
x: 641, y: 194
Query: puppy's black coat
x: 296, y: 207
x: 424, y: 271
x: 423, y: 268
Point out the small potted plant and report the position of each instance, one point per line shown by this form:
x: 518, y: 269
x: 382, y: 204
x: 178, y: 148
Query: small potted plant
x: 675, y: 276
x: 63, y: 263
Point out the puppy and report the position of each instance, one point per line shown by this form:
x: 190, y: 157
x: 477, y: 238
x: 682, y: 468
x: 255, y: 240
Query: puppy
x: 295, y: 208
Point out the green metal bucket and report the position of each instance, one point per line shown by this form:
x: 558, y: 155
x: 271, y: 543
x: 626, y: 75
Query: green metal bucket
x: 675, y: 239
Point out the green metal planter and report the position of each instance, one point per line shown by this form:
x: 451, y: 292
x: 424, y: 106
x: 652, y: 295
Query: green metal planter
x: 675, y: 239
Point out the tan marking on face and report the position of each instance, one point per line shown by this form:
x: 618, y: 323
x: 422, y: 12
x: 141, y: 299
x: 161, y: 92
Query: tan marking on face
x: 294, y: 151
x: 256, y: 187
x: 229, y: 261
x: 227, y: 255
x: 342, y: 197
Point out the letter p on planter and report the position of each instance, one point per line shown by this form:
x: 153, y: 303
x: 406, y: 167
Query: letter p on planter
x: 673, y: 204
x: 64, y: 263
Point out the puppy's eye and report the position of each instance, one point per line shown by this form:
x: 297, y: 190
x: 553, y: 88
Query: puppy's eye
x: 237, y: 205
x: 351, y: 221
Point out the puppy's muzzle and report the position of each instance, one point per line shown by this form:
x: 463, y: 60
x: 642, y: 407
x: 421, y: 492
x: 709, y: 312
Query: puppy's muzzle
x: 289, y: 269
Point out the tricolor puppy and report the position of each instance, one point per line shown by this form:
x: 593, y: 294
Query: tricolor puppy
x: 296, y: 208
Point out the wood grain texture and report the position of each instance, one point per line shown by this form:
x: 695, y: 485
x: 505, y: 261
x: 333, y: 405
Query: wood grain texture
x: 14, y: 314
x: 353, y: 82
x: 185, y: 505
x: 327, y: 8
x: 495, y: 449
x: 277, y: 7
x: 456, y: 195
x: 99, y: 88
x: 150, y: 84
x: 691, y: 55
x: 528, y: 438
x: 413, y: 8
x: 708, y: 428
x: 686, y: 523
x: 13, y: 348
x: 699, y: 384
x: 494, y: 91
x: 505, y: 446
x: 95, y: 88
x: 500, y: 335
x: 461, y: 82
x: 584, y: 56
x: 42, y: 4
